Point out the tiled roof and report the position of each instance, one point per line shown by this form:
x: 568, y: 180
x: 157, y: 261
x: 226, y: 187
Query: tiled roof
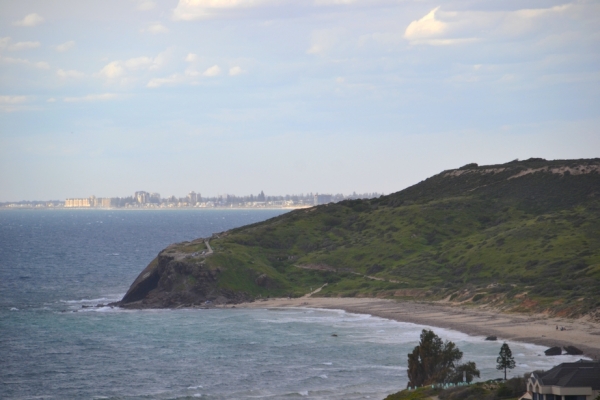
x: 578, y: 374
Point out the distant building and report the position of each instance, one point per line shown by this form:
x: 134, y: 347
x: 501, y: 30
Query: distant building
x: 142, y: 197
x: 568, y: 381
x: 92, y: 202
x: 322, y: 199
x: 192, y: 198
x: 77, y: 203
x: 155, y: 198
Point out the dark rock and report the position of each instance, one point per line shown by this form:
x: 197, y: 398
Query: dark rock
x: 553, y: 351
x: 173, y: 280
x: 375, y: 268
x: 264, y: 281
x: 573, y: 351
x: 491, y: 338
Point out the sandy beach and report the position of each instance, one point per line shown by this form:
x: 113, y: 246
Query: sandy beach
x: 537, y: 329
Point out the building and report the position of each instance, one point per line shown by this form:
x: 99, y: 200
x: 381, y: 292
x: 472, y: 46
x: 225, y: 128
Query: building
x: 142, y: 197
x: 155, y: 198
x: 91, y: 202
x: 322, y: 199
x: 568, y: 381
x: 77, y: 203
x: 192, y: 198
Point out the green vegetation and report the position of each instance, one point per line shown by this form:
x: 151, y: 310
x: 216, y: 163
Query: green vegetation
x: 511, y: 389
x: 419, y: 394
x: 521, y: 236
x: 505, y: 360
x: 434, y: 361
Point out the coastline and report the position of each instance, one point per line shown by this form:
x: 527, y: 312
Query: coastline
x: 535, y: 328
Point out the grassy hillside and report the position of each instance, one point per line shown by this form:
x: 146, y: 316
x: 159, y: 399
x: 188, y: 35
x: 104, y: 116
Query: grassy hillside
x: 522, y: 236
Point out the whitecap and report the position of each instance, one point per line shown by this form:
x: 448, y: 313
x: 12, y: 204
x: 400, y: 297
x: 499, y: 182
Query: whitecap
x: 195, y: 387
x: 87, y: 300
x: 327, y: 363
x: 14, y: 309
x: 197, y: 395
x: 323, y: 376
x: 303, y: 393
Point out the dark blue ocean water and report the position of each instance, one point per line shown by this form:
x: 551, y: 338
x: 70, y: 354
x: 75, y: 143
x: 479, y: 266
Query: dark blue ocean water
x: 54, y: 261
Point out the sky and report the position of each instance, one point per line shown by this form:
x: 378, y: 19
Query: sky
x: 108, y: 97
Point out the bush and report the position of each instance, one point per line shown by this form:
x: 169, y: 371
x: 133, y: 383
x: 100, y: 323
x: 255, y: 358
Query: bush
x: 478, y: 296
x: 475, y: 392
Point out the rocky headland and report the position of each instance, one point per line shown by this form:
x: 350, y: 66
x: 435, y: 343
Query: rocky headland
x: 517, y: 237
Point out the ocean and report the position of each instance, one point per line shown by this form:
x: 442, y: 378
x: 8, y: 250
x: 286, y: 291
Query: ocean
x: 54, y: 262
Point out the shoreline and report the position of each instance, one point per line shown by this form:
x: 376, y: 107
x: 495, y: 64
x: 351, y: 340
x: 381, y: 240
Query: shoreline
x: 535, y: 328
x: 154, y: 208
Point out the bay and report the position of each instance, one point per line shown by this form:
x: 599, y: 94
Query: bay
x: 53, y: 262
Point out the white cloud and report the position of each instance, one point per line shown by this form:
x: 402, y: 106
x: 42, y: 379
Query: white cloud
x: 4, y: 42
x: 156, y: 28
x: 112, y: 70
x: 145, y: 5
x: 191, y: 72
x: 22, y: 61
x: 66, y: 46
x: 24, y: 46
x: 91, y: 97
x: 440, y: 28
x: 234, y: 71
x: 30, y: 20
x: 189, y: 10
x: 159, y: 61
x: 212, y: 71
x: 170, y: 80
x: 191, y: 57
x: 72, y: 74
x: 138, y: 62
x: 51, y: 100
x: 11, y: 103
x: 425, y: 28
x: 322, y: 41
x: 12, y: 99
x: 118, y: 68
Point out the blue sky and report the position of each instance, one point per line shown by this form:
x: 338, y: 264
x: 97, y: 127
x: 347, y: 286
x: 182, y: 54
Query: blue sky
x: 287, y: 96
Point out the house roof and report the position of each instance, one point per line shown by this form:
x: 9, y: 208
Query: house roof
x: 582, y: 373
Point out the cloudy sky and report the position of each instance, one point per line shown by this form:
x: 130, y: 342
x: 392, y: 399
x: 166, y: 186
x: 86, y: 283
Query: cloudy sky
x: 287, y: 96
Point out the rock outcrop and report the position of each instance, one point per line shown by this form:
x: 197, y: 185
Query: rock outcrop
x: 573, y: 351
x: 553, y: 351
x: 179, y: 279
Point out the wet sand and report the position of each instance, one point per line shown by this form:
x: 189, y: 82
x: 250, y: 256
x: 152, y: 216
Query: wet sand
x: 535, y: 328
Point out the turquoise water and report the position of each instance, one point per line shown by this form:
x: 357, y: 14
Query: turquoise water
x: 54, y: 262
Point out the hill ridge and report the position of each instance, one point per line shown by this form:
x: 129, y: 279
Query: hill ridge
x: 522, y: 236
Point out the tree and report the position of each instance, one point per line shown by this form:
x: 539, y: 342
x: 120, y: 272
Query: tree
x: 468, y: 370
x: 435, y: 361
x: 505, y: 360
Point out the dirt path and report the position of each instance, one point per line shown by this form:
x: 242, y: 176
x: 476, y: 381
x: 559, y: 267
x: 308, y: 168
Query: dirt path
x: 313, y: 292
x: 210, y: 250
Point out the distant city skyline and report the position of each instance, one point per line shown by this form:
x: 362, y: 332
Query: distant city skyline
x: 143, y: 197
x: 287, y: 95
